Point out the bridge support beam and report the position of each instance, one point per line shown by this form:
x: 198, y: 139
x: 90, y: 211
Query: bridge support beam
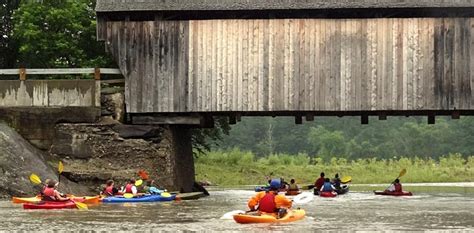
x: 181, y: 158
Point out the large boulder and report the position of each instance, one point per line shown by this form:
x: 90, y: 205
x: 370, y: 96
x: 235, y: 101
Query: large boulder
x: 18, y: 160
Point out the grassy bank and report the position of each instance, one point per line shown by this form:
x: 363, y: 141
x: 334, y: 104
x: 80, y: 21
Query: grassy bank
x: 243, y: 168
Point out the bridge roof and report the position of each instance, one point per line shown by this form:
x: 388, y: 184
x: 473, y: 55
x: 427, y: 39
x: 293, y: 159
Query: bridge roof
x: 233, y: 5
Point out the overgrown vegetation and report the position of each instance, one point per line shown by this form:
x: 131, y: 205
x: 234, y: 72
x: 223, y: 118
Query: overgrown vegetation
x: 237, y: 167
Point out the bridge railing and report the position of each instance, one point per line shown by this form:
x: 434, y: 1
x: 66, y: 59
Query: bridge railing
x: 97, y: 72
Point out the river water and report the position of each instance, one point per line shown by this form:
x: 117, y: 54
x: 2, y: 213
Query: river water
x: 431, y: 208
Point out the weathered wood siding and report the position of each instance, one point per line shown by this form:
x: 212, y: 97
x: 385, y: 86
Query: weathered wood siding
x: 295, y: 64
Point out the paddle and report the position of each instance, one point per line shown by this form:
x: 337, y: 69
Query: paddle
x: 37, y: 180
x: 60, y: 170
x: 346, y: 179
x: 402, y: 173
x: 302, y: 198
x: 138, y: 182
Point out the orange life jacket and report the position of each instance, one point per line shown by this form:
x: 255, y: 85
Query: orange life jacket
x: 267, y: 203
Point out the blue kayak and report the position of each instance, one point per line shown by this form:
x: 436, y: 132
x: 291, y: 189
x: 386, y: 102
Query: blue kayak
x: 146, y: 198
x: 261, y: 188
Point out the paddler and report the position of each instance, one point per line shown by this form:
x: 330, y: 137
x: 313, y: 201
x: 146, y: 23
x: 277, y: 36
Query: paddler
x: 270, y: 201
x: 327, y: 186
x: 130, y: 187
x: 50, y: 193
x: 293, y: 187
x: 336, y: 181
x: 318, y: 183
x: 395, y: 187
x: 150, y: 188
x: 110, y: 190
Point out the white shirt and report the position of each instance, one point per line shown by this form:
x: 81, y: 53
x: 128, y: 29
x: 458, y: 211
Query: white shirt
x: 391, y: 188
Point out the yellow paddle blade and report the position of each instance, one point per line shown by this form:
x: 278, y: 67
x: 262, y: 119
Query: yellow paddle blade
x: 128, y: 195
x: 165, y: 194
x: 35, y: 179
x: 138, y: 182
x: 81, y: 206
x: 402, y: 172
x: 60, y: 167
x: 346, y: 179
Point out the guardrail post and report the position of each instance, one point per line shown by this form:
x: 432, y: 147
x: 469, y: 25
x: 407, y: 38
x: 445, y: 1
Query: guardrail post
x: 97, y: 73
x: 22, y: 74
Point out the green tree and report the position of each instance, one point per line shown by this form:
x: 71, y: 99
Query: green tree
x: 8, y: 49
x: 58, y: 33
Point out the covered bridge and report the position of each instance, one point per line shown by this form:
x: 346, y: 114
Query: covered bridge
x: 188, y: 60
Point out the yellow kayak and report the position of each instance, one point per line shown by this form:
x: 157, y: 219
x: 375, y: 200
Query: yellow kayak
x: 291, y: 216
x: 83, y: 199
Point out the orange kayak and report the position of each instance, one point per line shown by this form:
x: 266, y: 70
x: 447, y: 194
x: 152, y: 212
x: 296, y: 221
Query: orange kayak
x: 292, y: 192
x: 291, y: 216
x: 85, y: 199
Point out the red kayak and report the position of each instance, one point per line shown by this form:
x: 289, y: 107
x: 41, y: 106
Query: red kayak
x: 327, y: 194
x: 403, y: 193
x: 50, y: 205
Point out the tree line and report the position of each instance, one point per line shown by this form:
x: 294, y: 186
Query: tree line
x: 345, y: 137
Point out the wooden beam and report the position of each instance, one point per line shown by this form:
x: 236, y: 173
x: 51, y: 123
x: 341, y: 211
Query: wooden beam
x: 22, y: 72
x: 431, y: 119
x: 60, y: 71
x: 232, y: 120
x: 364, y: 119
x: 97, y: 73
x: 456, y: 115
x: 166, y: 120
x: 207, y: 122
x: 298, y: 120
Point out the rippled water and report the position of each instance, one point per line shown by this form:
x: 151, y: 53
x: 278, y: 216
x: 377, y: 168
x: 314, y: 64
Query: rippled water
x: 427, y: 210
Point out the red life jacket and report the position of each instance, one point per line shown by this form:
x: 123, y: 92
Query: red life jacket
x: 398, y: 187
x: 109, y: 191
x: 319, y: 183
x: 128, y: 188
x: 48, y: 194
x: 267, y: 203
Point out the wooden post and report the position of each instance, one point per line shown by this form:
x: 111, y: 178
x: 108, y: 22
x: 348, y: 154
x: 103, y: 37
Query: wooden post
x: 431, y: 119
x: 456, y: 115
x: 232, y: 120
x: 22, y: 74
x: 298, y: 120
x: 238, y: 117
x: 97, y: 73
x: 309, y: 117
x: 382, y: 116
x: 364, y: 119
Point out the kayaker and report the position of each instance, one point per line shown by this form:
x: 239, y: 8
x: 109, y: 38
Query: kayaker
x: 327, y: 186
x: 283, y: 184
x: 395, y: 187
x: 51, y: 194
x: 293, y: 186
x: 318, y: 183
x: 110, y: 190
x: 336, y: 181
x: 130, y: 187
x: 150, y: 188
x: 270, y: 201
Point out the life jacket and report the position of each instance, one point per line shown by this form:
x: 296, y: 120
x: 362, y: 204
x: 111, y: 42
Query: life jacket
x: 398, y: 187
x: 327, y: 187
x: 319, y: 183
x: 48, y: 194
x: 293, y: 187
x: 128, y: 188
x: 267, y: 203
x: 109, y: 191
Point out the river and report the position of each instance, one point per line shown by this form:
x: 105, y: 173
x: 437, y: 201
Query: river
x: 431, y: 208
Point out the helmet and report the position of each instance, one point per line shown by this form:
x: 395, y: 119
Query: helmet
x: 275, y: 184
